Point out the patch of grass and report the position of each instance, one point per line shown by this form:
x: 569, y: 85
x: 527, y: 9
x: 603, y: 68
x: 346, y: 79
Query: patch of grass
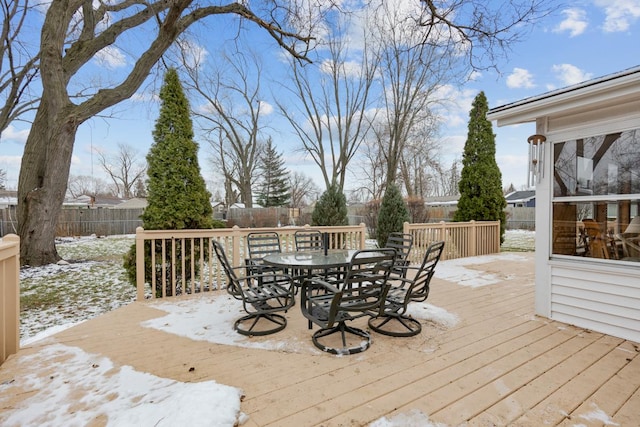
x: 57, y: 294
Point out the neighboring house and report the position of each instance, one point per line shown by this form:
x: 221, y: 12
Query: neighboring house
x: 442, y: 201
x: 587, y: 196
x: 521, y: 199
x: 92, y: 202
x: 133, y: 203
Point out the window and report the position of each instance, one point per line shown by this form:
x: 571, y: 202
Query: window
x: 596, y: 197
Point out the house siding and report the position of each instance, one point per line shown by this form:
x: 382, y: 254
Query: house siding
x: 601, y: 298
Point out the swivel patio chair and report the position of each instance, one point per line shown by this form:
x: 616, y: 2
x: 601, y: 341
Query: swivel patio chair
x: 309, y: 240
x: 263, y: 296
x: 259, y: 245
x: 361, y: 292
x: 407, y: 284
x: 402, y: 243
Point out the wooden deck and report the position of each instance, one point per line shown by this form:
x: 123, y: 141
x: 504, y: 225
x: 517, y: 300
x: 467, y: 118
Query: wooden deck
x: 499, y: 365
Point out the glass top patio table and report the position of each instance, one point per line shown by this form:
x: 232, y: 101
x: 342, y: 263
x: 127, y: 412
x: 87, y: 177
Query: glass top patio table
x: 311, y: 260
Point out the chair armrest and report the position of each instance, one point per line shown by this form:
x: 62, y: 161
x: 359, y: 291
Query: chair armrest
x: 317, y: 283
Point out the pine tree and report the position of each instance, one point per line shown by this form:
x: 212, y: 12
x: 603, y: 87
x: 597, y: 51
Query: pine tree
x: 481, y: 196
x: 331, y: 209
x: 392, y: 216
x: 274, y: 189
x: 177, y: 197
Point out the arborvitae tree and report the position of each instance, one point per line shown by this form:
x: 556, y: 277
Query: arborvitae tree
x: 331, y: 209
x: 3, y: 179
x: 392, y: 216
x: 481, y: 196
x: 177, y: 197
x: 274, y: 188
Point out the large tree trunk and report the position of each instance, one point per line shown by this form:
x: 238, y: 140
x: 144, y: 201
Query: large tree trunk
x: 42, y: 184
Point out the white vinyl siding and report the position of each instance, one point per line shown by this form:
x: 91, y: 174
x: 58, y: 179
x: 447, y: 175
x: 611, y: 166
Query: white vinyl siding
x: 595, y: 297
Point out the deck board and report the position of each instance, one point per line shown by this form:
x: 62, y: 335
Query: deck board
x: 499, y: 365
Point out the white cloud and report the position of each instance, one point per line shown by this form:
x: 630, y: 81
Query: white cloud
x: 455, y: 107
x: 520, y: 78
x: 575, y: 22
x: 15, y: 135
x: 265, y: 108
x: 192, y: 53
x: 349, y: 68
x: 144, y: 97
x: 570, y: 74
x: 111, y: 57
x: 620, y: 14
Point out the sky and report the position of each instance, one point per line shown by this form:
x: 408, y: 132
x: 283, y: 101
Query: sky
x: 579, y: 41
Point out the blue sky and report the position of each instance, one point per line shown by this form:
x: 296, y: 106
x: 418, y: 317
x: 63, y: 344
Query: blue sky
x: 584, y: 40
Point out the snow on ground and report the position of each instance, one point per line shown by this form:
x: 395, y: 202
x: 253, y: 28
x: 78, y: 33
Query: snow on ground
x: 115, y: 396
x: 211, y: 318
x: 454, y: 270
x: 90, y: 283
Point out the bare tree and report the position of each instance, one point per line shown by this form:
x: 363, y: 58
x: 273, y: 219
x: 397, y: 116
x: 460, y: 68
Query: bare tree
x: 303, y: 189
x: 371, y: 170
x: 231, y: 116
x: 333, y: 98
x: 419, y: 159
x: 80, y: 185
x: 481, y: 32
x: 73, y: 33
x: 18, y: 63
x: 123, y: 168
x: 419, y: 51
x: 411, y: 72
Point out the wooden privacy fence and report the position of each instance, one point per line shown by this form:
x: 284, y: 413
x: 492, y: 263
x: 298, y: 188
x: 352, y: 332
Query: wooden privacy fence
x: 462, y: 239
x: 9, y: 296
x: 82, y: 221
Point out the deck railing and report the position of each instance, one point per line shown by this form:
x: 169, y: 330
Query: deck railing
x: 197, y: 271
x: 462, y: 239
x: 9, y: 296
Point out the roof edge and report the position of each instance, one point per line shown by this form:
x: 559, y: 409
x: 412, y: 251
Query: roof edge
x: 497, y: 112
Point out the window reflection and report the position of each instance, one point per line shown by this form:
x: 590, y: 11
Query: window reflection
x: 599, y: 165
x: 590, y: 168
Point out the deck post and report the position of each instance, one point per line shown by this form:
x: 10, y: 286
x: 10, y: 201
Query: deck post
x: 9, y: 296
x: 139, y: 263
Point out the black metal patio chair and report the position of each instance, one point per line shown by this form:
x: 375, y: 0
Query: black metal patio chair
x: 402, y: 243
x: 360, y: 292
x: 259, y: 245
x: 309, y: 240
x: 406, y: 284
x: 263, y: 296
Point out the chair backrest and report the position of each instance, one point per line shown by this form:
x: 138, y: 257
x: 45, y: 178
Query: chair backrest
x: 233, y: 284
x: 595, y: 237
x: 260, y: 244
x: 402, y: 243
x: 420, y: 288
x: 364, y: 286
x: 308, y: 240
